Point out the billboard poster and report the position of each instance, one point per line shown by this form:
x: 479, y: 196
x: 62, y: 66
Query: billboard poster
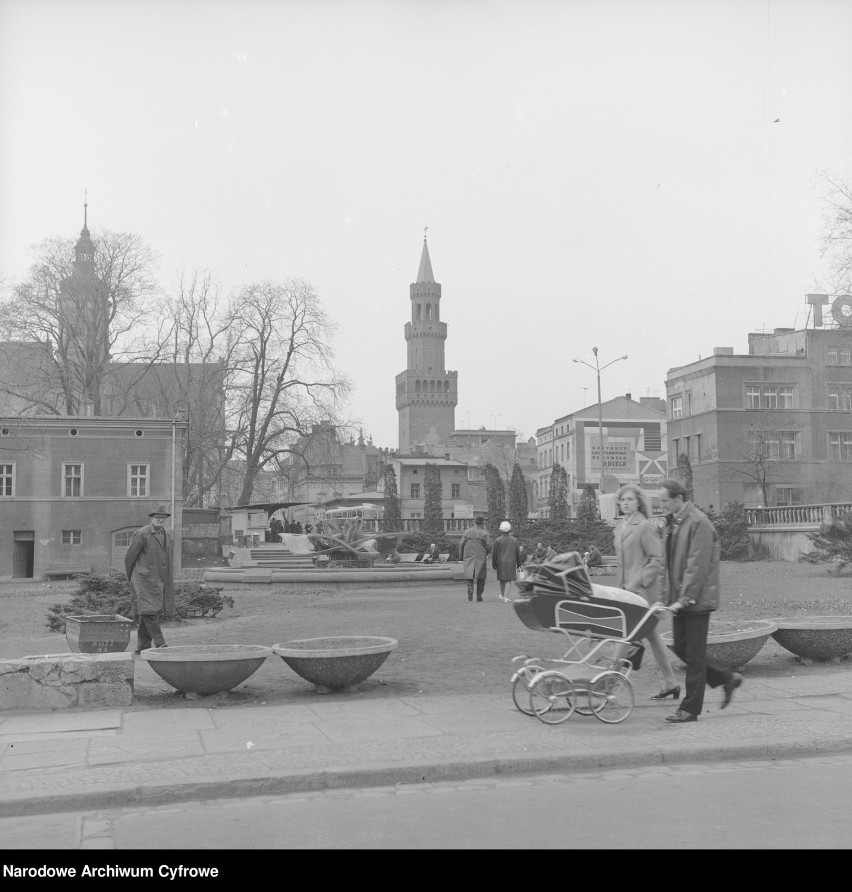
x: 619, y: 456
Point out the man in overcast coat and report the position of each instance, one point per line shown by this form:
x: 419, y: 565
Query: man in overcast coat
x: 149, y: 567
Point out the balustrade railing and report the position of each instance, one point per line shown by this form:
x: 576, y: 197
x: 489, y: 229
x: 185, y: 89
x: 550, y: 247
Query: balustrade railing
x: 796, y: 515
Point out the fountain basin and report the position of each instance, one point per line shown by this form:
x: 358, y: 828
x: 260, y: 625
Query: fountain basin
x: 338, y: 663
x: 205, y: 669
x: 819, y: 638
x: 734, y: 643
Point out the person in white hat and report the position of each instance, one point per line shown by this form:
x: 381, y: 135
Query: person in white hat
x: 149, y: 567
x: 506, y: 558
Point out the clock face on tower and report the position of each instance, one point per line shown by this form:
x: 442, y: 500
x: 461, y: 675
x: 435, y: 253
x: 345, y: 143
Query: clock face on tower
x: 430, y: 352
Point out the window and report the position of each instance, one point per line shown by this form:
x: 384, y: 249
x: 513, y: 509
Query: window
x: 840, y: 397
x: 137, y: 481
x: 775, y: 445
x: 788, y: 445
x: 72, y: 537
x: 677, y: 407
x: 788, y: 495
x: 840, y: 445
x: 455, y: 491
x: 72, y: 484
x: 694, y: 448
x: 766, y: 396
x: 839, y: 356
x: 414, y: 515
x: 7, y: 480
x: 122, y: 539
x: 415, y: 490
x: 689, y: 404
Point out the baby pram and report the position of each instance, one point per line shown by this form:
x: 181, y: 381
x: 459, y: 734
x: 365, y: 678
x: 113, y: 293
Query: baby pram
x: 604, y: 628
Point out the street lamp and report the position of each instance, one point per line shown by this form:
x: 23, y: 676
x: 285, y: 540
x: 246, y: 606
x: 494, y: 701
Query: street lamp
x: 597, y: 368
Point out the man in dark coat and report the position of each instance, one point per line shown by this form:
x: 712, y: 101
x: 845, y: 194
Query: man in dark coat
x: 149, y: 567
x: 690, y: 588
x: 473, y: 550
x: 506, y: 558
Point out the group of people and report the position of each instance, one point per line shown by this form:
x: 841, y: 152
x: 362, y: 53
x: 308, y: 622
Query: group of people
x: 679, y: 571
x: 277, y: 527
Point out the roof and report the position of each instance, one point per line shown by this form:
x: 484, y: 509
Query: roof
x: 269, y: 507
x: 424, y: 274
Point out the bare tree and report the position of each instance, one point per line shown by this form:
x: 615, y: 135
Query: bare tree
x: 75, y: 316
x: 281, y: 380
x: 836, y: 241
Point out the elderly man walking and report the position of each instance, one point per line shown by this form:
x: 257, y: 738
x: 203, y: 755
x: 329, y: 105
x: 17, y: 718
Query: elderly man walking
x: 149, y: 567
x: 473, y: 550
x: 690, y: 586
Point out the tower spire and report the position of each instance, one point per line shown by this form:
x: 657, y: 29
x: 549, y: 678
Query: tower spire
x: 424, y: 274
x: 85, y: 229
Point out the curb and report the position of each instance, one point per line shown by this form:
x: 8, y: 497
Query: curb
x: 155, y: 794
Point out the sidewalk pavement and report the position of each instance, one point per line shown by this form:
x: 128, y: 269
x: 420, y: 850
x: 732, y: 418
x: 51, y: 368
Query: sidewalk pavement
x: 88, y: 759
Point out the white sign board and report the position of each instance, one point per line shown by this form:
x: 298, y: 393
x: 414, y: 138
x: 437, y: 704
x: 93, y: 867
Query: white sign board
x: 462, y: 511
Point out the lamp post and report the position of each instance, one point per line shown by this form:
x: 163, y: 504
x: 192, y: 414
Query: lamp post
x: 597, y: 368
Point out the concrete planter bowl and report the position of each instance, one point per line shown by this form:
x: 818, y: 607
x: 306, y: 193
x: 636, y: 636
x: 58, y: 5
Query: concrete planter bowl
x: 816, y: 638
x: 733, y: 644
x: 335, y: 664
x: 205, y: 669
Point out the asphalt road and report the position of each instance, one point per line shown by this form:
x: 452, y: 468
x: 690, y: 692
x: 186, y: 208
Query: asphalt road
x: 802, y: 803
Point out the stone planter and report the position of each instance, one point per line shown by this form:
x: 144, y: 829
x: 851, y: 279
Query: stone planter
x: 98, y: 634
x: 335, y: 664
x: 816, y: 638
x: 733, y: 644
x: 205, y: 669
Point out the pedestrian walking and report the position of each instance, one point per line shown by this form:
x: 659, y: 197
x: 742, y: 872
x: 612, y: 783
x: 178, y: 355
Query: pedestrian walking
x: 308, y: 528
x: 638, y: 551
x: 506, y: 558
x: 149, y: 567
x: 690, y: 586
x: 473, y: 550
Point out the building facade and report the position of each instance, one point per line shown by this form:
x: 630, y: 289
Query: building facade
x: 634, y: 434
x: 426, y: 393
x: 773, y: 427
x: 74, y: 489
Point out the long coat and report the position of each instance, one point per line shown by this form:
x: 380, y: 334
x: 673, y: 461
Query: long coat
x: 473, y: 550
x: 149, y: 567
x: 691, y: 553
x: 639, y: 552
x: 505, y: 557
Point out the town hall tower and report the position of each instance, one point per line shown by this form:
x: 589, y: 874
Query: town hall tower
x: 426, y: 393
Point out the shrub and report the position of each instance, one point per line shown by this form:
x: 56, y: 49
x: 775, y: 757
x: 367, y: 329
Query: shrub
x: 732, y: 526
x: 102, y: 594
x: 567, y: 535
x: 832, y: 543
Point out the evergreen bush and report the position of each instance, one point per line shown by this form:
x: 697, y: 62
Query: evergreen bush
x: 832, y: 543
x: 392, y: 516
x: 433, y: 514
x: 732, y: 526
x: 99, y: 593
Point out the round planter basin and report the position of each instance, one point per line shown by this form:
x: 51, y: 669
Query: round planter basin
x: 335, y: 664
x: 733, y: 644
x: 206, y: 669
x: 820, y: 638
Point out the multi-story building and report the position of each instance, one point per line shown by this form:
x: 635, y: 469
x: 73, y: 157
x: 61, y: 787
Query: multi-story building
x: 773, y: 427
x: 456, y: 501
x: 634, y: 452
x: 74, y: 489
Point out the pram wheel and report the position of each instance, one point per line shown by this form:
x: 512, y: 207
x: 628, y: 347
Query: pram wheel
x: 521, y: 690
x: 611, y: 697
x: 552, y: 697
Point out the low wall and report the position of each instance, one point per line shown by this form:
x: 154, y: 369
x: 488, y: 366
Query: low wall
x: 781, y: 543
x: 61, y: 680
x: 396, y: 575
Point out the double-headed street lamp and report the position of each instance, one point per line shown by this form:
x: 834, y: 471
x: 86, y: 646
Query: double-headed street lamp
x: 597, y: 369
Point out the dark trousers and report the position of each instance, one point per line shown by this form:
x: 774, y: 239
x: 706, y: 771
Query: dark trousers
x: 480, y: 588
x: 689, y: 631
x: 149, y: 628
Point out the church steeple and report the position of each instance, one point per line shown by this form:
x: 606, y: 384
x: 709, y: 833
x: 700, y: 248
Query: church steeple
x: 84, y: 250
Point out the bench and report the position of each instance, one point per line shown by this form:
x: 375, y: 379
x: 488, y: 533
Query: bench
x: 443, y: 558
x: 407, y: 558
x: 66, y: 571
x: 609, y: 567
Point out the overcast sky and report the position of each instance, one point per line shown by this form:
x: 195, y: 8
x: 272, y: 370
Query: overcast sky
x: 636, y: 175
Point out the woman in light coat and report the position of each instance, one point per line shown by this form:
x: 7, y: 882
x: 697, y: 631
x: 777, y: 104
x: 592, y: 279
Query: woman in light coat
x: 639, y: 552
x: 505, y: 559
